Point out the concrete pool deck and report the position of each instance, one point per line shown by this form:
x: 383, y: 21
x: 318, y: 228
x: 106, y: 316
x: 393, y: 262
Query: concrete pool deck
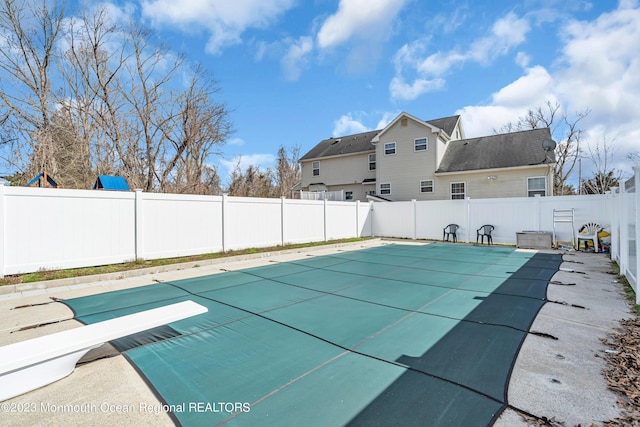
x: 558, y: 379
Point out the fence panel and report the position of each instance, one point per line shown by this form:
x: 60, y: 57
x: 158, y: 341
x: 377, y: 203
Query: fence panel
x: 629, y: 231
x: 252, y: 222
x: 507, y: 215
x: 341, y: 220
x: 364, y: 219
x: 303, y: 221
x: 433, y: 216
x: 393, y: 219
x: 426, y: 219
x: 177, y: 225
x: 46, y: 228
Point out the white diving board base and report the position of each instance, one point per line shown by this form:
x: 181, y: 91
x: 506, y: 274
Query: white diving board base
x: 34, y: 363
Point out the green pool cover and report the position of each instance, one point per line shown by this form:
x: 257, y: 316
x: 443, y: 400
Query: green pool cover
x: 393, y: 335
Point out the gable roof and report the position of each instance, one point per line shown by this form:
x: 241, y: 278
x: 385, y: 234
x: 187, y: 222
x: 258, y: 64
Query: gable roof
x: 107, y: 182
x: 39, y: 181
x: 447, y: 124
x: 433, y: 128
x: 362, y: 142
x: 497, y: 151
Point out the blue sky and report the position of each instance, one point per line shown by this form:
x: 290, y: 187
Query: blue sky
x: 295, y: 72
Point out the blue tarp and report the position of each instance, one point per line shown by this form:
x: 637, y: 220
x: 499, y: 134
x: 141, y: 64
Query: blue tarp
x: 107, y: 182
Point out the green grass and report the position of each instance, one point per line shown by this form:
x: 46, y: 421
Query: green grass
x: 43, y: 275
x: 628, y: 290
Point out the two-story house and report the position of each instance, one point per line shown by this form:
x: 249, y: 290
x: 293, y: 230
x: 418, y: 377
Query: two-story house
x: 430, y: 160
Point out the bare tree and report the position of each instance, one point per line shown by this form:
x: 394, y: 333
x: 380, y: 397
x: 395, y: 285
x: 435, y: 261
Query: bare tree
x: 564, y: 130
x: 252, y: 182
x: 287, y: 170
x: 194, y: 130
x: 30, y: 32
x: 87, y: 95
x: 604, y: 176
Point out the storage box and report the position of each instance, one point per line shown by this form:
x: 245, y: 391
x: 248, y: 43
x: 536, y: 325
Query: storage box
x: 534, y: 239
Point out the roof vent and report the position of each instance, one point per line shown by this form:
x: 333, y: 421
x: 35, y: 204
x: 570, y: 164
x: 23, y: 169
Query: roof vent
x: 335, y: 142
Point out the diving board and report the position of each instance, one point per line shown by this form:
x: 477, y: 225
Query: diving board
x: 34, y: 363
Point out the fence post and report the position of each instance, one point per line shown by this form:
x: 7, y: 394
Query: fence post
x: 325, y: 218
x: 636, y: 196
x: 624, y: 230
x: 415, y: 219
x: 468, y: 201
x: 282, y: 220
x: 614, y: 220
x: 3, y: 229
x: 139, y: 249
x: 357, y: 218
x: 224, y: 222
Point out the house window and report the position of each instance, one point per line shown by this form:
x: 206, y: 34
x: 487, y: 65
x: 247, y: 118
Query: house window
x: 536, y: 185
x: 457, y: 190
x: 348, y: 195
x: 426, y: 186
x: 315, y: 168
x: 385, y: 188
x: 420, y: 144
x: 389, y: 148
x: 372, y: 161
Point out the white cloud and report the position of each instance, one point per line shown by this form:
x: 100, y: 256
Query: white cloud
x: 506, y: 33
x: 522, y: 59
x: 599, y: 70
x: 399, y: 89
x: 358, y: 18
x: 347, y: 125
x: 225, y: 21
x: 296, y: 57
x: 386, y: 119
x: 236, y: 141
x: 352, y: 123
x: 260, y: 160
x: 531, y: 89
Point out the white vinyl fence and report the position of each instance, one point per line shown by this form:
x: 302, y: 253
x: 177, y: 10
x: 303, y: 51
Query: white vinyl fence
x: 625, y: 243
x: 426, y: 219
x: 44, y: 228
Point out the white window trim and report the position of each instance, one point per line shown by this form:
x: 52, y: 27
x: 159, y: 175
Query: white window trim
x: 433, y: 189
x: 372, y: 162
x: 529, y: 178
x: 313, y: 168
x: 426, y: 144
x: 395, y: 148
x: 464, y: 195
x: 385, y: 183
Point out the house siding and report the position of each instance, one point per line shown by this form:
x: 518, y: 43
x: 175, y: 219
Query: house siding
x: 407, y: 168
x: 508, y: 182
x: 340, y: 173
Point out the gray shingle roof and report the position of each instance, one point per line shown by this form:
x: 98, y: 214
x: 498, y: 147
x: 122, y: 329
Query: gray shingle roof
x: 361, y: 142
x: 447, y: 124
x: 342, y: 145
x: 497, y: 151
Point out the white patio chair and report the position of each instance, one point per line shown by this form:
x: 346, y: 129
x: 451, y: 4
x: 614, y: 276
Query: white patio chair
x: 589, y: 233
